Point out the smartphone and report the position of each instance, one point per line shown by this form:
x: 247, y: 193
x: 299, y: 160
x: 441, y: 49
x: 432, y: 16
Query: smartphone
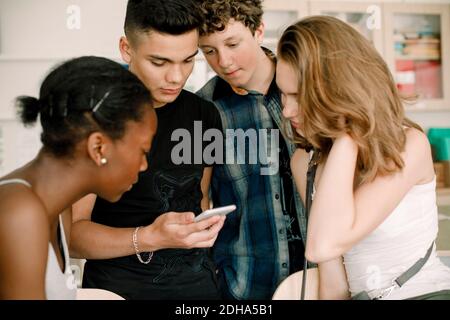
x: 214, y: 212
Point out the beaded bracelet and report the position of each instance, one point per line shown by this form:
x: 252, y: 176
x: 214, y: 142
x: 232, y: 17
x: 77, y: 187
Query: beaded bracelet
x: 136, y: 249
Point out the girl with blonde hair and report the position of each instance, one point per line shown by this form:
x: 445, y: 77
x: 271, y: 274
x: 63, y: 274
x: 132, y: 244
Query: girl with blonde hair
x: 373, y: 214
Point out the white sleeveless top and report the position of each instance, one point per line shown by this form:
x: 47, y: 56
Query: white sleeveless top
x: 58, y: 285
x: 402, y: 239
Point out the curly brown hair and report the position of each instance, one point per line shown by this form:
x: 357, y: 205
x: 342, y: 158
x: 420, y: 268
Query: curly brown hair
x: 219, y: 12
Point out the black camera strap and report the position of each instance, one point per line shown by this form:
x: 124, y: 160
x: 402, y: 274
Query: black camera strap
x: 310, y: 176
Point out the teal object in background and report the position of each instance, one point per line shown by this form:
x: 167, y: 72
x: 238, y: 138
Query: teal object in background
x: 440, y: 140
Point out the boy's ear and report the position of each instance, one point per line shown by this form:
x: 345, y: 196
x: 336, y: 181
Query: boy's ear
x: 259, y: 33
x: 125, y: 49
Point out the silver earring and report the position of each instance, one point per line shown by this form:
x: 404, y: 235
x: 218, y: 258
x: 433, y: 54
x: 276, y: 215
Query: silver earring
x: 103, y: 161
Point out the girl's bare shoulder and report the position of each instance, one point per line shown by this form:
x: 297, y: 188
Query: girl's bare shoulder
x: 19, y: 205
x: 417, y: 155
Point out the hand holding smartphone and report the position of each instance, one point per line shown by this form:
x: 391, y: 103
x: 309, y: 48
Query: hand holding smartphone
x: 214, y: 212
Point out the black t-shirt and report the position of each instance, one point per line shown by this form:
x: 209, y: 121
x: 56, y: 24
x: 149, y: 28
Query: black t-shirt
x: 166, y: 186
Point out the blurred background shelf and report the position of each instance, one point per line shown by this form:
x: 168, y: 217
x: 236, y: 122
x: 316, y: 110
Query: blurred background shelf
x: 431, y: 58
x: 443, y: 239
x: 443, y: 196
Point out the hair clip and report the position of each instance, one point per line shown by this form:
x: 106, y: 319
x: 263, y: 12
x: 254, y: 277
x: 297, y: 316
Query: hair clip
x: 97, y: 106
x: 91, y: 100
x: 50, y: 105
x: 62, y: 106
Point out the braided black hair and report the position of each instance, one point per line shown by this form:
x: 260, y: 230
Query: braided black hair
x: 69, y: 95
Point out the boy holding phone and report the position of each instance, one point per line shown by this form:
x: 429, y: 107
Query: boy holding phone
x: 147, y: 245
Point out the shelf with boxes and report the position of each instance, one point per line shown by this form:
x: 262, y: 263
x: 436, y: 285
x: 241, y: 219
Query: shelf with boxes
x: 418, y: 48
x: 413, y: 38
x: 442, y: 169
x: 418, y: 60
x: 418, y: 52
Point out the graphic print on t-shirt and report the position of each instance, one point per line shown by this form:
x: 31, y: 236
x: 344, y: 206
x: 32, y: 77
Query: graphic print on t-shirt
x: 174, y: 189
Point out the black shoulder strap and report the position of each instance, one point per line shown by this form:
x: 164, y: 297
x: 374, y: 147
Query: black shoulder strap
x: 310, y: 176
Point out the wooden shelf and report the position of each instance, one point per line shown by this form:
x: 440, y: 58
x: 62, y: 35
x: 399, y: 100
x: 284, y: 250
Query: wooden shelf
x: 443, y: 191
x: 419, y: 41
x: 443, y: 196
x: 443, y: 253
x: 431, y: 58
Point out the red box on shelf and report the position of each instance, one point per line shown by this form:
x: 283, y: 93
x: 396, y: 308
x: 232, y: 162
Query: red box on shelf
x: 405, y: 75
x: 429, y: 79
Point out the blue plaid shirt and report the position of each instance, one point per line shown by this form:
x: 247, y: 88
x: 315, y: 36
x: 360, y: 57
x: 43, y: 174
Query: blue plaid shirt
x: 251, y: 251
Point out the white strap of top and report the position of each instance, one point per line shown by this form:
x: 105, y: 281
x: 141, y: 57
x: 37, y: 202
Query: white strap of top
x: 64, y: 245
x: 19, y: 181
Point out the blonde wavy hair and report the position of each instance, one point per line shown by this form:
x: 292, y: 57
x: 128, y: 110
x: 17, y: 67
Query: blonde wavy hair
x: 345, y: 87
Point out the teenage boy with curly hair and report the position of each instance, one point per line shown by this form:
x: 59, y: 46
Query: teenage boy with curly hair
x: 263, y: 241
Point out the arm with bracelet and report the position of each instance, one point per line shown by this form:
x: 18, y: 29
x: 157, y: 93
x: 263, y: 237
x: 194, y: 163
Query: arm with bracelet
x: 90, y: 240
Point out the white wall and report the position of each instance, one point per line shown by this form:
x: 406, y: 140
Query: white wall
x: 34, y: 36
x: 33, y: 28
x: 431, y: 119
